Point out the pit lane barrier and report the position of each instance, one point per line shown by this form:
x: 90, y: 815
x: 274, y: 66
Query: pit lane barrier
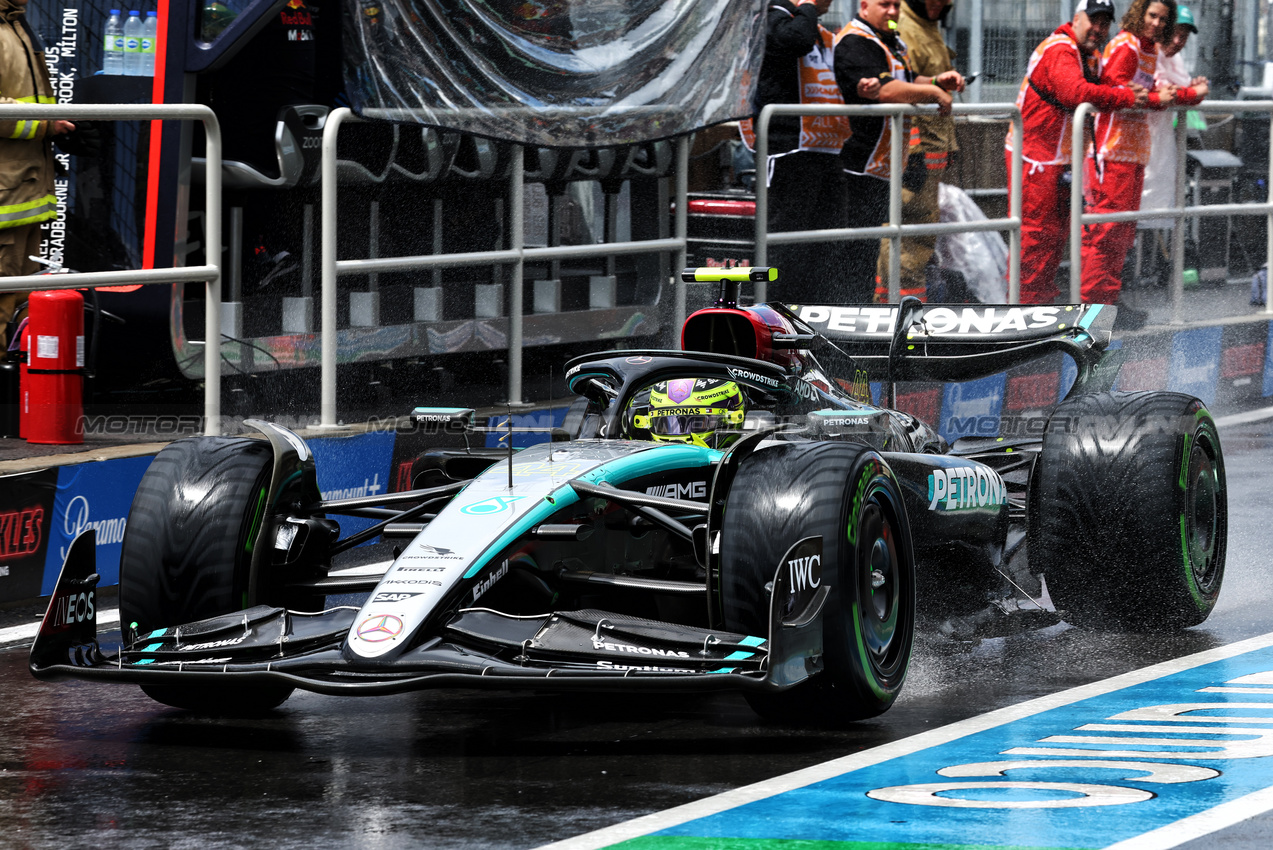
x: 1179, y: 212
x: 210, y: 274
x: 895, y: 229
x: 515, y: 255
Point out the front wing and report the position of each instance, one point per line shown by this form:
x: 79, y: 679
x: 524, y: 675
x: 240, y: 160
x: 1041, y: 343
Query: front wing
x: 479, y: 648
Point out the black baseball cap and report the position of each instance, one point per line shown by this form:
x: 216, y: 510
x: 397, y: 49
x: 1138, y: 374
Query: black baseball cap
x: 1095, y: 7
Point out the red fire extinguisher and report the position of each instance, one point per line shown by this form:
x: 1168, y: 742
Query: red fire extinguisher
x: 53, y: 388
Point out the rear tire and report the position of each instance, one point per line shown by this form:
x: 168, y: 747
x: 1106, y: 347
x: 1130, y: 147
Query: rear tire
x: 1128, y: 514
x: 187, y: 552
x: 847, y: 494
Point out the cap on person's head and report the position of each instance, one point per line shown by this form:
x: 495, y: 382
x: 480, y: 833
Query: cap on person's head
x: 1184, y: 18
x: 1095, y: 7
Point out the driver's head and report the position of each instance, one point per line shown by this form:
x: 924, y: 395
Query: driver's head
x: 699, y: 411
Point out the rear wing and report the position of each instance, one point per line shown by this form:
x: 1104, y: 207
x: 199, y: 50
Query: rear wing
x: 961, y: 342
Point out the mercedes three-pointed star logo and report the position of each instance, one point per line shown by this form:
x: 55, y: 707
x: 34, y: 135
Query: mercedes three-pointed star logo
x: 379, y: 628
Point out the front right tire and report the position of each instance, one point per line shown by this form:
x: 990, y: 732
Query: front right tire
x: 846, y: 494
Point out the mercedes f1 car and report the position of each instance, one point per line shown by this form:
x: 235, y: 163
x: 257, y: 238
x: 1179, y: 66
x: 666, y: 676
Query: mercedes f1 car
x: 735, y: 515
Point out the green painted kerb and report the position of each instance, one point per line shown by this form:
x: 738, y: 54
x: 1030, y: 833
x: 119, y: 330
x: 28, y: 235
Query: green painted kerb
x: 678, y: 842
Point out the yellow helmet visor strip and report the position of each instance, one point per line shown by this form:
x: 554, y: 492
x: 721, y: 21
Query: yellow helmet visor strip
x: 714, y: 418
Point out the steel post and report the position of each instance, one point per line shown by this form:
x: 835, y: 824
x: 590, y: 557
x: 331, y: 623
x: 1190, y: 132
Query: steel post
x: 327, y: 400
x: 1178, y: 234
x: 1076, y: 201
x: 212, y: 296
x: 976, y: 59
x: 762, y: 193
x: 1014, y: 213
x: 897, y: 164
x: 1268, y: 257
x: 517, y: 244
x: 682, y: 228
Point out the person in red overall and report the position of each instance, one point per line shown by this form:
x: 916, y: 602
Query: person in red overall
x: 1063, y: 72
x: 1114, y: 172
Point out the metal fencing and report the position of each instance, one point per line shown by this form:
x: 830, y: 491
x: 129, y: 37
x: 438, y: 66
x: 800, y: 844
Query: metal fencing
x: 895, y: 229
x: 209, y: 273
x: 515, y: 255
x: 1179, y: 212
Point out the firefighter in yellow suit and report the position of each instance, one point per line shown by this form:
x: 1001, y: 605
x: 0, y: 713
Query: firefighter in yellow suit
x: 26, y: 154
x: 932, y: 140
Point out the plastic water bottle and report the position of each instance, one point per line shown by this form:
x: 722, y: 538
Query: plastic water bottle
x: 149, y: 42
x: 132, y: 44
x: 113, y: 55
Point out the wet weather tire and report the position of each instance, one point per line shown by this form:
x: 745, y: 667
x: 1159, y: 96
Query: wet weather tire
x: 847, y: 494
x: 1128, y: 518
x: 187, y: 552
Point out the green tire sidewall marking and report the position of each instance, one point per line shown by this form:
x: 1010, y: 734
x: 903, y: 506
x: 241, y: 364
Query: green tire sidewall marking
x: 1207, y: 425
x: 868, y: 484
x: 255, y: 526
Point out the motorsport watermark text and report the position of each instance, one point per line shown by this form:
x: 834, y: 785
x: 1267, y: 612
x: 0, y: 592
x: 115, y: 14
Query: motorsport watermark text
x: 173, y: 426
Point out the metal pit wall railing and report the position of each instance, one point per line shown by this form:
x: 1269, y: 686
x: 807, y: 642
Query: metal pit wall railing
x: 894, y: 230
x: 515, y: 255
x: 1180, y: 212
x: 210, y: 273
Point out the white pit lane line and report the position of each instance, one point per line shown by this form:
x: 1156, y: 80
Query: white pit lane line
x: 1234, y: 419
x: 1202, y: 824
x: 1173, y: 835
x: 26, y: 633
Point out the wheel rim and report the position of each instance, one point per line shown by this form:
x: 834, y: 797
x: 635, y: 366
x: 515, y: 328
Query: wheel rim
x: 882, y: 589
x: 1202, y: 515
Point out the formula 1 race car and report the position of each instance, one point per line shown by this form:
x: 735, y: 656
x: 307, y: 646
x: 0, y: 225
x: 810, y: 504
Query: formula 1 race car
x: 735, y: 515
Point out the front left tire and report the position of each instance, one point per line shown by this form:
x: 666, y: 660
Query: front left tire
x: 846, y: 494
x: 187, y: 553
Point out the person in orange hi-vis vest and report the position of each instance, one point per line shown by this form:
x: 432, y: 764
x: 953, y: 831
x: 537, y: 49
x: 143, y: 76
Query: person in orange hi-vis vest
x: 1063, y: 72
x: 806, y: 185
x: 868, y: 48
x: 931, y: 143
x: 1114, y: 172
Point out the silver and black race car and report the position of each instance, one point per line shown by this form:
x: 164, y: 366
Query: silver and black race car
x: 736, y: 515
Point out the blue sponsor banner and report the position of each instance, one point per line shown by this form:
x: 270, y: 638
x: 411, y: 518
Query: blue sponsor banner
x: 1195, y: 363
x: 92, y: 495
x: 353, y: 467
x: 972, y: 408
x: 1089, y: 774
x: 1268, y: 363
x: 552, y: 417
x: 1069, y: 374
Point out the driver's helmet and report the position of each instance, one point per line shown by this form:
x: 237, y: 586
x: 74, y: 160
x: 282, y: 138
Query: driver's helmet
x: 700, y: 411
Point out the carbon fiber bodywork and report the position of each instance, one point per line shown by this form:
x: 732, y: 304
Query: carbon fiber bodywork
x: 594, y: 563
